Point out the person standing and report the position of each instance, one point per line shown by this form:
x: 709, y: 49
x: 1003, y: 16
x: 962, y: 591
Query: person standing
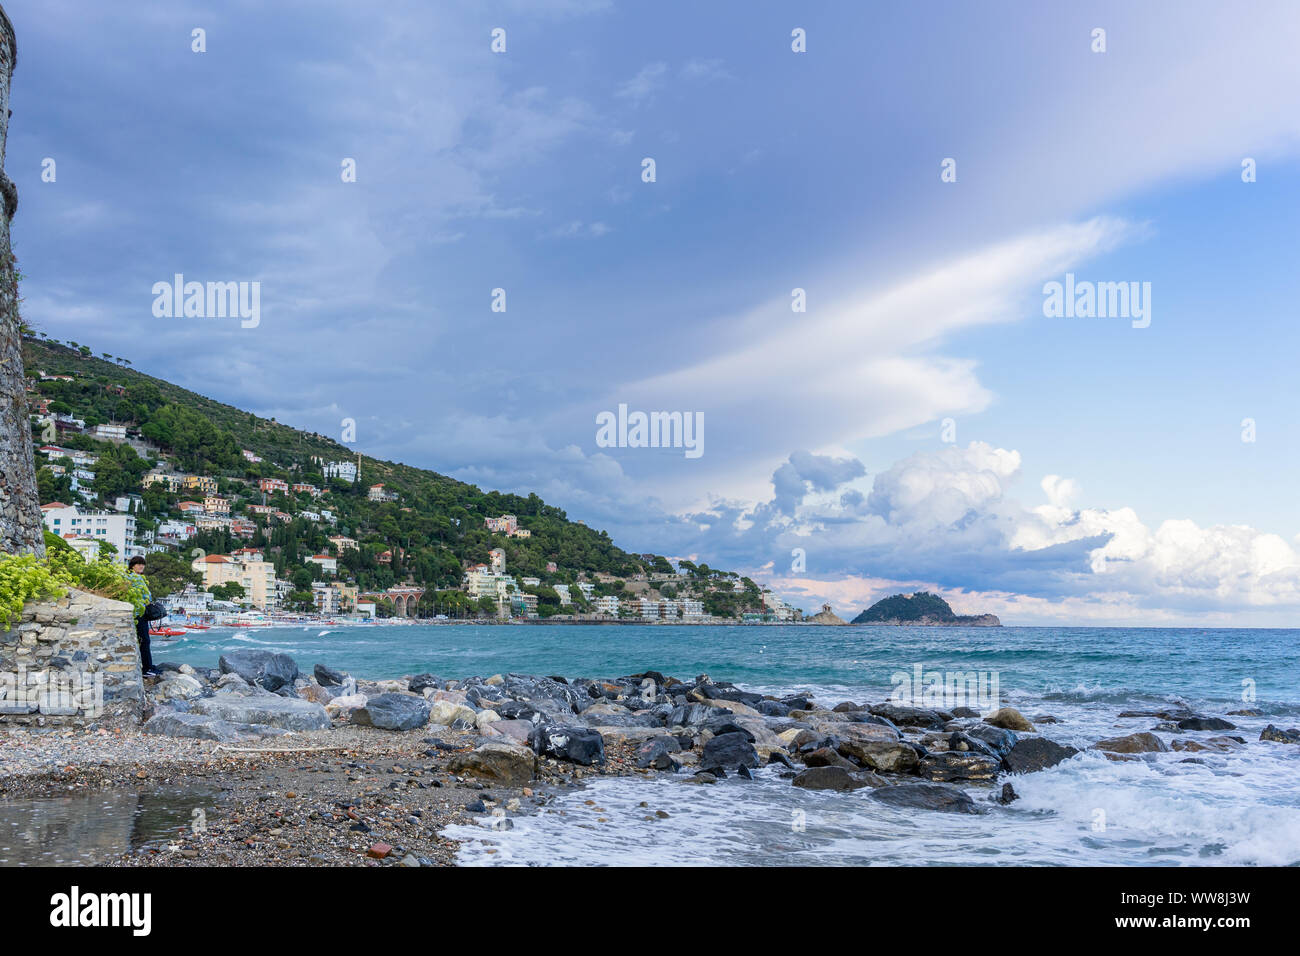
x: 135, y: 571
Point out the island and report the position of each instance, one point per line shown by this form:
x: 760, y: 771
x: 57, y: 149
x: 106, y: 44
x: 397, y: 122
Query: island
x: 922, y: 608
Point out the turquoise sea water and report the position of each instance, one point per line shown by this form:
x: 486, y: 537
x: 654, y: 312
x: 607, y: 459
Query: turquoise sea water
x: 1177, y: 808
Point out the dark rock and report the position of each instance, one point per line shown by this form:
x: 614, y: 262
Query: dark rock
x: 833, y: 778
x: 1132, y: 744
x: 1008, y: 794
x: 997, y: 739
x: 965, y: 712
x: 1205, y: 723
x: 729, y: 751
x: 826, y: 757
x: 903, y: 715
x: 267, y: 669
x: 926, y: 796
x: 327, y: 676
x: 654, y: 753
x: 777, y: 756
x: 773, y: 708
x: 958, y: 765
x: 393, y: 712
x: 1035, y: 753
x: 580, y: 745
x: 1279, y: 736
x: 419, y: 682
x: 726, y: 725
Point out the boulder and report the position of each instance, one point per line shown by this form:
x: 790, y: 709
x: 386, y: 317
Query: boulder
x: 444, y: 712
x: 503, y: 762
x: 268, y: 669
x: 1205, y: 723
x: 393, y: 712
x: 826, y: 757
x: 960, y: 765
x: 729, y: 751
x: 904, y: 715
x: 345, y: 704
x: 580, y: 745
x: 327, y: 676
x: 1008, y: 718
x: 286, y: 713
x: 421, y: 682
x: 997, y: 739
x: 1132, y: 744
x: 178, y: 687
x: 656, y: 753
x: 835, y: 778
x: 201, y: 727
x: 520, y: 731
x: 942, y: 797
x: 1035, y: 753
x: 1279, y: 736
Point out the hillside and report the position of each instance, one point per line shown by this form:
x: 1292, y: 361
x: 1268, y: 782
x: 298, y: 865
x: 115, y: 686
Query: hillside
x: 425, y: 537
x: 921, y: 608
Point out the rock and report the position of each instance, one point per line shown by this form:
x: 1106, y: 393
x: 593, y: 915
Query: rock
x: 393, y: 712
x: 655, y: 753
x: 1035, y: 753
x: 317, y: 694
x: 200, y: 727
x: 942, y: 797
x: 904, y: 715
x: 179, y: 687
x: 1279, y: 736
x: 580, y: 745
x: 1008, y: 718
x: 379, y: 851
x: 421, y: 682
x: 690, y: 715
x: 1008, y: 794
x: 286, y: 713
x: 520, y: 731
x: 997, y: 739
x: 826, y: 757
x: 327, y: 676
x: 267, y: 669
x: 1132, y: 744
x: 875, y: 747
x: 729, y: 751
x: 835, y: 778
x: 503, y: 762
x: 446, y: 713
x: 959, y: 765
x: 345, y: 704
x: 1205, y: 723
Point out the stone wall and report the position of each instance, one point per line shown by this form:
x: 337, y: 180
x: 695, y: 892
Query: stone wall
x: 20, y: 511
x: 71, y: 662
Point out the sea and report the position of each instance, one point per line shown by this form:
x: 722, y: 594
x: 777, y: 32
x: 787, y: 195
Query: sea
x: 1181, y: 808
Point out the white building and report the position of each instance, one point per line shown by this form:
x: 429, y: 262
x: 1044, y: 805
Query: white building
x: 608, y: 604
x: 115, y: 528
x: 347, y: 470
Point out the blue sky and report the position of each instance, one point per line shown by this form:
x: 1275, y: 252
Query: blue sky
x: 775, y: 170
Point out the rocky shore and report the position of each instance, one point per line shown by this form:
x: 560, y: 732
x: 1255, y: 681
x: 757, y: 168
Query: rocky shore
x: 328, y: 769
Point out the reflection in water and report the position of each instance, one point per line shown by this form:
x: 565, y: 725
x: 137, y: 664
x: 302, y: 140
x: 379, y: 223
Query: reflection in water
x: 88, y: 828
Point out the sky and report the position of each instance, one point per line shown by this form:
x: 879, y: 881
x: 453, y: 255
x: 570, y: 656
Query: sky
x: 910, y: 418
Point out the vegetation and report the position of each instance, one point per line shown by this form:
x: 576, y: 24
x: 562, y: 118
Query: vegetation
x: 905, y: 608
x: 26, y: 578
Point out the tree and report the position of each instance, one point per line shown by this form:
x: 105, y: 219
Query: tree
x: 20, y: 510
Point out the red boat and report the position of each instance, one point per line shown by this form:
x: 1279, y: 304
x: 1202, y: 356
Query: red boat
x: 198, y: 627
x: 167, y: 632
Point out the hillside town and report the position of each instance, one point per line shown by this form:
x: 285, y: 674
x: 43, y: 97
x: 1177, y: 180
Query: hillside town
x: 316, y: 538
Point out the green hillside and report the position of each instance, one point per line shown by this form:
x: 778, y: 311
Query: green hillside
x: 433, y: 530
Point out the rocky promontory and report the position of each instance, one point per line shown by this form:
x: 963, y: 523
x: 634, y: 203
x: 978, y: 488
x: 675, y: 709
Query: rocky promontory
x: 924, y: 609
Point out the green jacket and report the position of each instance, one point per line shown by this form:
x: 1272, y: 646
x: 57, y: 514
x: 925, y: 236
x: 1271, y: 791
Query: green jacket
x: 139, y: 579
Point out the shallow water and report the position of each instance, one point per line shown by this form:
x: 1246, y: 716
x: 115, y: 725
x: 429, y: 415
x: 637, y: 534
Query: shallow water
x: 91, y: 827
